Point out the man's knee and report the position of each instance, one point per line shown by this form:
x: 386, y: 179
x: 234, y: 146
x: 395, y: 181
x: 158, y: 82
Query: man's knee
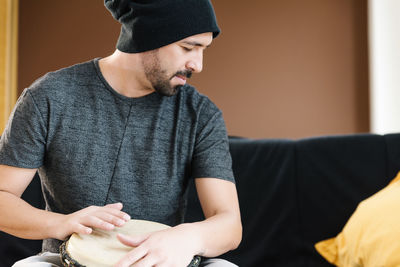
x: 45, y: 260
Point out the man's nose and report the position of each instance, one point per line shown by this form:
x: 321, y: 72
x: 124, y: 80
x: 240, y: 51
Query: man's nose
x: 195, y: 64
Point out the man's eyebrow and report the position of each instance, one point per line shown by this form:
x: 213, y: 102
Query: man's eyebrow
x: 196, y: 44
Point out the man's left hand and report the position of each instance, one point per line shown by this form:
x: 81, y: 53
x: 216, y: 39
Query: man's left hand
x: 170, y: 247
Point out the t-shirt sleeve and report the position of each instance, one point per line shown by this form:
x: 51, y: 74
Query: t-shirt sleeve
x: 23, y: 142
x: 211, y: 154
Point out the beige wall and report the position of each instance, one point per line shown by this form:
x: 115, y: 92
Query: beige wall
x: 55, y: 34
x: 281, y: 68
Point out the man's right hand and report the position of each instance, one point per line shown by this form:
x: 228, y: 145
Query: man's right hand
x: 82, y: 221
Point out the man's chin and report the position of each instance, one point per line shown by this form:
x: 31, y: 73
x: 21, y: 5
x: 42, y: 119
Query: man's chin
x: 169, y: 91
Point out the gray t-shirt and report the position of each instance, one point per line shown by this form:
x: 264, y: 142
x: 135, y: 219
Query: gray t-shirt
x: 94, y: 146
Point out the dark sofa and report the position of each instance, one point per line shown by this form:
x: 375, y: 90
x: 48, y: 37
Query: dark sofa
x: 292, y: 193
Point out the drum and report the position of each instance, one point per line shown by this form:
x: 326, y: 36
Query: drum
x: 102, y: 248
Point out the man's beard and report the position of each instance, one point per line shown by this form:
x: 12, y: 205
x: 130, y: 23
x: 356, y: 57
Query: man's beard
x: 162, y: 83
x: 159, y: 78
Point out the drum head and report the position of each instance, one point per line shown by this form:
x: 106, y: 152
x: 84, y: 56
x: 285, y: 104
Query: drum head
x: 102, y: 248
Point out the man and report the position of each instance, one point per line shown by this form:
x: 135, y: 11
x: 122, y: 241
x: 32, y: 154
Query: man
x: 126, y: 132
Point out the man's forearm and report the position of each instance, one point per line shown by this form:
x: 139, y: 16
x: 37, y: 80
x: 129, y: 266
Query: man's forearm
x: 217, y: 234
x: 20, y: 219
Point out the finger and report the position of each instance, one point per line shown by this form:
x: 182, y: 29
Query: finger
x: 132, y: 257
x: 132, y: 241
x: 96, y: 222
x: 110, y: 218
x: 81, y: 229
x: 116, y: 212
x: 146, y: 261
x: 117, y: 206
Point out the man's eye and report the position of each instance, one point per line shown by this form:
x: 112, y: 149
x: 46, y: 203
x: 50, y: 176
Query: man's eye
x: 187, y: 48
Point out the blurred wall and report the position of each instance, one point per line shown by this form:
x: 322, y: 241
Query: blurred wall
x: 280, y: 68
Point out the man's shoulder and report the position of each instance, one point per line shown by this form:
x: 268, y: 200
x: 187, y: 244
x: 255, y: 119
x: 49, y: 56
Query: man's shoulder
x: 64, y: 80
x: 67, y: 74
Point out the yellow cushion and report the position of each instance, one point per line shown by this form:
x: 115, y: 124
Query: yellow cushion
x: 371, y: 237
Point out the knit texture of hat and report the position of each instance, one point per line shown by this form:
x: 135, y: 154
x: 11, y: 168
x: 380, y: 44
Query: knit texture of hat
x: 150, y: 24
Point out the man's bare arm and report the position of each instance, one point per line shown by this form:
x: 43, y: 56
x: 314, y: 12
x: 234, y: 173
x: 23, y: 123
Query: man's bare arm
x: 19, y: 218
x: 221, y: 231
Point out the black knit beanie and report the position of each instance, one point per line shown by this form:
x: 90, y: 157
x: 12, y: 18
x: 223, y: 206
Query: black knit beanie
x: 150, y: 24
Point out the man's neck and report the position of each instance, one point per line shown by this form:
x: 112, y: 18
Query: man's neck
x: 124, y: 74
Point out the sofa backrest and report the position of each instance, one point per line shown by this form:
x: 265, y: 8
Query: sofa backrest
x: 293, y: 193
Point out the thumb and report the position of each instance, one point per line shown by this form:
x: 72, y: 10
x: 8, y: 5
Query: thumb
x: 132, y: 241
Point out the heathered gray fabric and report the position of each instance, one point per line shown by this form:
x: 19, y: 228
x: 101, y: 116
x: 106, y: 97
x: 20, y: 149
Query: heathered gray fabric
x: 94, y: 146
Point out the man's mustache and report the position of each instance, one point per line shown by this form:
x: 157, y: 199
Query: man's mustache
x: 185, y: 73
